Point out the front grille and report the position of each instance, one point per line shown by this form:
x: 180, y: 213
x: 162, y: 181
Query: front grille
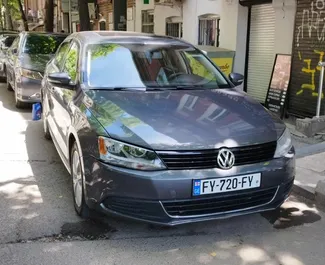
x: 222, y: 204
x: 208, y: 158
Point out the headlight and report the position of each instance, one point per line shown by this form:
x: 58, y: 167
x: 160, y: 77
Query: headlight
x: 284, y: 144
x: 31, y: 74
x: 125, y: 155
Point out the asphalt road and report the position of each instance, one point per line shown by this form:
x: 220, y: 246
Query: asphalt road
x: 38, y: 224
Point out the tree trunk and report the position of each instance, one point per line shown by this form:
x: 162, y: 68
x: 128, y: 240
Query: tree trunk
x: 49, y: 15
x: 23, y: 15
x: 8, y: 21
x: 84, y: 15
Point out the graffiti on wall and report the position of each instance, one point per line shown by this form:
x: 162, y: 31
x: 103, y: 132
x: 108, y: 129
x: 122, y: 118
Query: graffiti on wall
x: 313, y: 22
x: 310, y: 69
x: 311, y: 27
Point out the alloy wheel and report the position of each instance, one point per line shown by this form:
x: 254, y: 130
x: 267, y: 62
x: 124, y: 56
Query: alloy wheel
x: 77, y: 178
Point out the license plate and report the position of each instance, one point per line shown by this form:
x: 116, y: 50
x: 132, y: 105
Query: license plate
x: 220, y: 185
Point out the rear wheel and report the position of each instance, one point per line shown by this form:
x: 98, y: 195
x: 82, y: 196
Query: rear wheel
x: 80, y: 205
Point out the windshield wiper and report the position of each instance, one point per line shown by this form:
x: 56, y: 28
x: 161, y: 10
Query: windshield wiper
x: 121, y: 88
x: 176, y: 87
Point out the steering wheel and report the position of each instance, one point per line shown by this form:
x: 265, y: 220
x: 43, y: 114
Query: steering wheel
x: 174, y: 75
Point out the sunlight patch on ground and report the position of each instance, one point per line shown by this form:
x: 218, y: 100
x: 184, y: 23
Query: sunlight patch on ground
x: 288, y: 259
x: 21, y: 192
x: 251, y: 254
x: 299, y: 205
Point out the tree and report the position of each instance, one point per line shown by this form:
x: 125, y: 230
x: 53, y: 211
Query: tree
x: 23, y: 15
x: 8, y: 20
x: 84, y: 15
x: 49, y: 15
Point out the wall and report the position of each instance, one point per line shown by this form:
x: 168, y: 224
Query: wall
x: 161, y: 13
x: 284, y: 25
x: 191, y: 10
x: 240, y: 56
x: 139, y: 6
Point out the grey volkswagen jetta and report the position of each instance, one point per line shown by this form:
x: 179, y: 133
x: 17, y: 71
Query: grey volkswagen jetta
x: 151, y: 129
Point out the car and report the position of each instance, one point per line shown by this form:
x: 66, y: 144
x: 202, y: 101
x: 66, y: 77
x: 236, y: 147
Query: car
x: 6, y: 39
x: 26, y: 60
x: 150, y: 129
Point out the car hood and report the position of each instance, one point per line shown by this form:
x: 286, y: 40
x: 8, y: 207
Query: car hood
x: 183, y: 120
x: 35, y: 62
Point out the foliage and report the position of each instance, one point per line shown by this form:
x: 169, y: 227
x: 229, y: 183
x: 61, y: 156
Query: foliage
x: 71, y: 62
x: 42, y: 44
x: 102, y: 50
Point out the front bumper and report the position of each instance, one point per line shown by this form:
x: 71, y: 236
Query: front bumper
x: 29, y: 90
x: 166, y: 197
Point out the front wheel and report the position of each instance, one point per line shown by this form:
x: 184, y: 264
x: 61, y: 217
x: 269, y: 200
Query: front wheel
x: 19, y: 104
x: 47, y: 134
x: 80, y: 205
x: 9, y: 87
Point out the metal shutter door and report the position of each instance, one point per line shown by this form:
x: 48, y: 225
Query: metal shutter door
x: 307, y: 52
x: 261, y: 50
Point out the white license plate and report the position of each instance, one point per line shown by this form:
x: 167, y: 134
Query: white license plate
x: 219, y: 185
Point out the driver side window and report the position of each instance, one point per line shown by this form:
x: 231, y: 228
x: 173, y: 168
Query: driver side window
x: 60, y: 55
x: 71, y: 62
x: 14, y: 45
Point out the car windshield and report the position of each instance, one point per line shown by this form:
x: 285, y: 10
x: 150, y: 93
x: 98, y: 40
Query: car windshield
x: 42, y: 44
x: 112, y: 65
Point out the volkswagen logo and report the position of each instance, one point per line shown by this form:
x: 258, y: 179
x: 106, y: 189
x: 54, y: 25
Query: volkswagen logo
x: 225, y: 158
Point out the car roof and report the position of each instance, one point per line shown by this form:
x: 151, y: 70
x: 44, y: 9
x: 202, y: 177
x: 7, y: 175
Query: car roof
x: 90, y: 37
x: 40, y: 33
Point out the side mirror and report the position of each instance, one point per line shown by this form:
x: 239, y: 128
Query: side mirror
x: 236, y: 79
x: 61, y: 79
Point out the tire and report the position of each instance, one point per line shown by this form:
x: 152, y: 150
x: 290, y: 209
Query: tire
x: 19, y: 104
x: 47, y: 134
x: 9, y: 87
x: 77, y: 177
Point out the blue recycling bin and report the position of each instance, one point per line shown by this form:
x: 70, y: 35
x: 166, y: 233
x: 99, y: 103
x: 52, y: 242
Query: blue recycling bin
x: 37, y: 111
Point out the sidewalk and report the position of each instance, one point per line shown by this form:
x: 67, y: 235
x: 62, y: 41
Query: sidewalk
x: 310, y: 173
x: 310, y: 164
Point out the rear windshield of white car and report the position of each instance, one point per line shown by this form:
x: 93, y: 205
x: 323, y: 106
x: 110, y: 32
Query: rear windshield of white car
x: 110, y: 65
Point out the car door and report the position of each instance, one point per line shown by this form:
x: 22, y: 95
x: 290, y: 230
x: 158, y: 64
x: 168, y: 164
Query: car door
x: 62, y: 97
x: 54, y: 66
x: 11, y: 60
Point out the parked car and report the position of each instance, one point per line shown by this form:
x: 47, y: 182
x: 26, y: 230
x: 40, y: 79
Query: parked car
x: 150, y: 129
x: 6, y: 39
x: 26, y: 61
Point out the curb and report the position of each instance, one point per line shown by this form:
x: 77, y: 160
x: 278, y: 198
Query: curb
x: 310, y: 150
x: 297, y: 189
x: 303, y: 152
